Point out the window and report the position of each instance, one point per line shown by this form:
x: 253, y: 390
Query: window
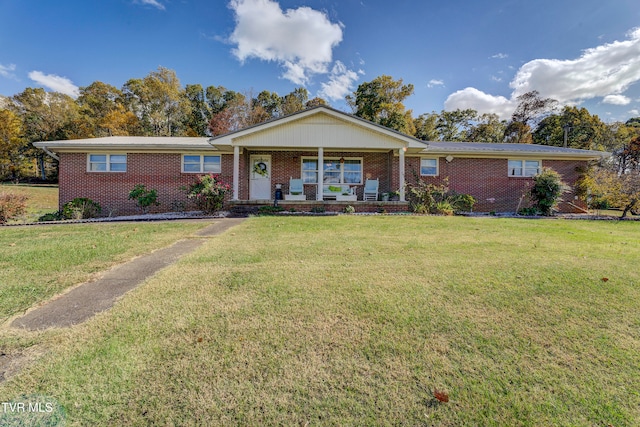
x: 201, y: 164
x: 429, y: 167
x: 524, y: 168
x: 107, y: 163
x: 334, y: 170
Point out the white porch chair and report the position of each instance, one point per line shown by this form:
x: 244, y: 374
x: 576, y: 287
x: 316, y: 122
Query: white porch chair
x: 296, y: 190
x: 371, y: 190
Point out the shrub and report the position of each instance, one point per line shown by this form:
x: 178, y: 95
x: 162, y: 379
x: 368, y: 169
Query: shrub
x: 81, y: 208
x: 11, y: 206
x: 269, y: 210
x: 349, y: 209
x: 144, y: 198
x: 208, y: 192
x: 546, y: 191
x: 438, y: 199
x: 51, y: 216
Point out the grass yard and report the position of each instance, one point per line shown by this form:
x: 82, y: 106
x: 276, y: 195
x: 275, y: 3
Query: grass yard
x: 43, y: 198
x: 356, y: 320
x: 38, y: 262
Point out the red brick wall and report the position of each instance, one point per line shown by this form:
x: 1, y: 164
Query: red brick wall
x: 161, y: 172
x: 487, y: 181
x: 484, y: 179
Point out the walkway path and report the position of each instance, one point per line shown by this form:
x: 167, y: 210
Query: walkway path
x: 88, y: 299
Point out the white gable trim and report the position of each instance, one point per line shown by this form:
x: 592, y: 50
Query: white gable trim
x: 317, y: 127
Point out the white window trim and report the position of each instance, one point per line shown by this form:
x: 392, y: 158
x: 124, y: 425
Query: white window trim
x: 108, y: 160
x: 202, y: 156
x: 437, y: 159
x: 302, y: 171
x: 523, y: 167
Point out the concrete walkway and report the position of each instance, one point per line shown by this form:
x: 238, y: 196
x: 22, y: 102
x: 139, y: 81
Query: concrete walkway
x: 88, y: 299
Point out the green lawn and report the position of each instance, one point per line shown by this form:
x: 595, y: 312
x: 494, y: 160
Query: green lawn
x: 43, y: 198
x: 38, y: 262
x: 356, y: 320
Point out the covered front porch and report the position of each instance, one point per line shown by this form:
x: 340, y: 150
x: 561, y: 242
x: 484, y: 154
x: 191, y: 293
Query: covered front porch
x: 322, y: 148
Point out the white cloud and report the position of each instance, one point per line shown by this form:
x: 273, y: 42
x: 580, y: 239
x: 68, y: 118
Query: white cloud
x: 499, y: 56
x: 634, y: 112
x: 482, y: 102
x: 616, y: 100
x: 341, y: 82
x: 604, y: 71
x: 55, y: 83
x: 7, y: 71
x: 496, y: 78
x: 153, y: 3
x: 434, y: 83
x: 301, y: 40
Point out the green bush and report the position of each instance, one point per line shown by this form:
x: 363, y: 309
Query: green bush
x: 269, y: 210
x: 11, y: 206
x: 81, y: 208
x: 208, y: 191
x: 546, y: 191
x: 438, y: 199
x: 349, y: 209
x: 144, y: 198
x: 51, y: 216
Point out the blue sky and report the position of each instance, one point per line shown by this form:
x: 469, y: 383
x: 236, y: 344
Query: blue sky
x: 458, y: 54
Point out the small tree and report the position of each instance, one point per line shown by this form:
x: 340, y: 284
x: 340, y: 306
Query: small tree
x: 144, y: 198
x: 604, y: 186
x: 208, y: 192
x: 546, y: 191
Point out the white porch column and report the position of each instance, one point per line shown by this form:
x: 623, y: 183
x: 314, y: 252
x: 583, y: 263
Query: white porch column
x: 320, y: 173
x: 401, y: 172
x: 236, y: 171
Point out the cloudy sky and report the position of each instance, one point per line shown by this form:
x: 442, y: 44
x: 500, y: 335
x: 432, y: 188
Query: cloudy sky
x: 478, y: 54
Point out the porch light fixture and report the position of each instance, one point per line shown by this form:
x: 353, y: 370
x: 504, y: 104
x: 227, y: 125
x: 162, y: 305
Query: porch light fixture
x: 342, y: 160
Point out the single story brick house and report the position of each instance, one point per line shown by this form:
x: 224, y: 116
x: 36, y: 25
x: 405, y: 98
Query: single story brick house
x: 321, y: 146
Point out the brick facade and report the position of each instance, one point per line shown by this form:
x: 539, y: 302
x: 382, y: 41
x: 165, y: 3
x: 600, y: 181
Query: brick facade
x: 485, y: 179
x: 159, y: 171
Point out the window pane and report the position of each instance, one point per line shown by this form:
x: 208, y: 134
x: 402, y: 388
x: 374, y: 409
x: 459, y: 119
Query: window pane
x: 118, y: 167
x: 352, y: 178
x: 118, y: 158
x: 212, y: 163
x: 515, y: 167
x: 192, y: 159
x: 191, y: 167
x: 101, y: 158
x: 531, y: 168
x: 310, y: 177
x: 98, y: 167
x: 309, y: 164
x: 332, y: 177
x: 331, y: 165
x: 428, y: 167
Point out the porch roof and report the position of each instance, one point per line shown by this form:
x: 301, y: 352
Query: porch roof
x: 319, y: 127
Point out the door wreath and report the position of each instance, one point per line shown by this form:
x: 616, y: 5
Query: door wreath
x: 260, y: 168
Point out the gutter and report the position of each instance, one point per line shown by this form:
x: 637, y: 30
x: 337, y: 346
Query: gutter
x: 50, y: 153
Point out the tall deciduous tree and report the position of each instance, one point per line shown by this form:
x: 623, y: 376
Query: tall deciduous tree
x: 425, y: 125
x: 197, y: 120
x: 455, y: 125
x: 531, y: 108
x: 159, y: 102
x: 381, y: 101
x: 11, y: 162
x: 295, y: 101
x: 488, y: 128
x: 584, y: 130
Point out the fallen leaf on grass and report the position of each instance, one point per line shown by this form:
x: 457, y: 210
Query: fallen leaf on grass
x: 605, y: 279
x: 441, y: 396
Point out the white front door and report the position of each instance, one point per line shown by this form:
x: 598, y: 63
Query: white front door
x: 260, y: 177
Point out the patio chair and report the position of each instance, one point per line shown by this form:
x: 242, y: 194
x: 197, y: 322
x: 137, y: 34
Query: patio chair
x: 296, y: 190
x: 371, y: 190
